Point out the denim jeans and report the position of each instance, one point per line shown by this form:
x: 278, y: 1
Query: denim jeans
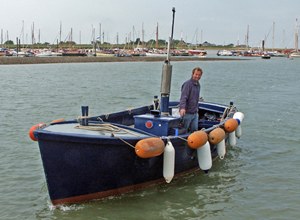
x: 190, y: 122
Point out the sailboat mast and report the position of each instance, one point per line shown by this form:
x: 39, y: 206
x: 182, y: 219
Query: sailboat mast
x: 156, y: 36
x: 201, y: 37
x: 60, y: 31
x: 273, y: 37
x: 100, y: 33
x: 22, y: 33
x: 143, y: 35
x: 196, y: 36
x: 32, y: 34
x: 247, y: 37
x: 296, y: 35
x: 39, y: 36
x: 80, y: 37
x: 1, y: 37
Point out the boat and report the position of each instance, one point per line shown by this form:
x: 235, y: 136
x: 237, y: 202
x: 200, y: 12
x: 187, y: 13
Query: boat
x: 295, y: 55
x: 74, y: 53
x: 3, y: 52
x: 156, y: 53
x: 296, y: 52
x: 47, y: 53
x: 197, y: 52
x: 19, y: 53
x: 265, y: 56
x: 224, y: 53
x: 93, y: 157
x: 181, y: 52
x: 277, y: 54
x: 105, y: 53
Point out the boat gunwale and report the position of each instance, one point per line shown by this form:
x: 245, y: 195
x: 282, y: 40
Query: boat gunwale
x: 46, y: 134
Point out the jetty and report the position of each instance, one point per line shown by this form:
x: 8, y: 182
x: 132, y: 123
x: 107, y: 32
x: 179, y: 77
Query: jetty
x: 86, y: 59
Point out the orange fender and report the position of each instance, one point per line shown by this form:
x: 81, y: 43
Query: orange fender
x: 230, y: 125
x: 149, y: 147
x: 197, y: 139
x: 33, y: 128
x: 216, y: 136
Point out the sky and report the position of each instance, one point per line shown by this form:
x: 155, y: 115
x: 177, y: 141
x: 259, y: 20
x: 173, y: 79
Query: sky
x: 220, y: 22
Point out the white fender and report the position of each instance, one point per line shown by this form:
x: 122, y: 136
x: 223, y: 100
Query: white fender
x: 204, y: 157
x: 232, y: 139
x: 239, y: 116
x: 221, y: 149
x: 169, y: 162
x: 238, y: 131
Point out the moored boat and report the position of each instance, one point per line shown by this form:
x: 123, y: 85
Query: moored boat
x: 295, y: 55
x: 197, y: 52
x: 105, y: 53
x: 224, y: 53
x: 156, y: 53
x: 2, y: 51
x: 296, y: 52
x: 74, y: 53
x: 47, y: 53
x: 265, y: 56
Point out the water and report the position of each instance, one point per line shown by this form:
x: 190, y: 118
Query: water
x: 258, y: 179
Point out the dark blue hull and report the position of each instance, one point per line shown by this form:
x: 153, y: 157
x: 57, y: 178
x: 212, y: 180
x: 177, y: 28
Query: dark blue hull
x: 85, y: 166
x: 94, y: 170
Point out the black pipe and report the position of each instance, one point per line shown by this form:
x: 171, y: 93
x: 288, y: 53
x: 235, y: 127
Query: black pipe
x: 173, y: 10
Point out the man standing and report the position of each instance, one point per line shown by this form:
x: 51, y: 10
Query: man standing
x: 188, y: 106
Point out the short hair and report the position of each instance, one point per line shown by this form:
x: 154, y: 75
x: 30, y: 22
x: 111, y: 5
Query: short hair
x: 197, y: 69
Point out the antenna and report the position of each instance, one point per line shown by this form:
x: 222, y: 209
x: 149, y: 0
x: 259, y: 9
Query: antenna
x: 171, y: 38
x: 173, y: 10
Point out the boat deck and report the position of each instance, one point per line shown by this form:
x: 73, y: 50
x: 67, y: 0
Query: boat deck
x: 105, y: 129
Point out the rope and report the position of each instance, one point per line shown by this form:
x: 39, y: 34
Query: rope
x: 123, y: 141
x: 100, y: 127
x: 100, y: 119
x: 181, y: 138
x: 106, y: 127
x: 109, y: 128
x: 225, y: 113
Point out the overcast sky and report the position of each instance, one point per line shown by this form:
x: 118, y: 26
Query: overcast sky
x: 215, y: 21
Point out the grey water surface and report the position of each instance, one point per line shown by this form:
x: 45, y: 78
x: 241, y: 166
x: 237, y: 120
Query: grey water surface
x: 258, y: 179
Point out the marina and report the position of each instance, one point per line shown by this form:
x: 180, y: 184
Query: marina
x: 86, y: 59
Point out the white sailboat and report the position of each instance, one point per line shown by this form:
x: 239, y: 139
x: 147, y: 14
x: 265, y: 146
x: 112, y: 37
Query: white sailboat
x: 296, y: 53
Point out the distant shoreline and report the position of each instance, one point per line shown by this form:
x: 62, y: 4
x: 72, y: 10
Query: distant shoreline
x: 44, y: 60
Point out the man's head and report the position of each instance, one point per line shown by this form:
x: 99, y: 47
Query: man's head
x: 197, y: 73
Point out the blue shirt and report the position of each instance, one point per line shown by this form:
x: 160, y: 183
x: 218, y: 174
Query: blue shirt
x: 190, y: 92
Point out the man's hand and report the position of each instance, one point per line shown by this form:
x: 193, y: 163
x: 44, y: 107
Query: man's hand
x: 182, y: 112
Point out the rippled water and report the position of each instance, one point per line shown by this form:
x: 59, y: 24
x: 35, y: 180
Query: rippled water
x: 258, y: 179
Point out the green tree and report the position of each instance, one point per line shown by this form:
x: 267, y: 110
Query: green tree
x: 9, y: 42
